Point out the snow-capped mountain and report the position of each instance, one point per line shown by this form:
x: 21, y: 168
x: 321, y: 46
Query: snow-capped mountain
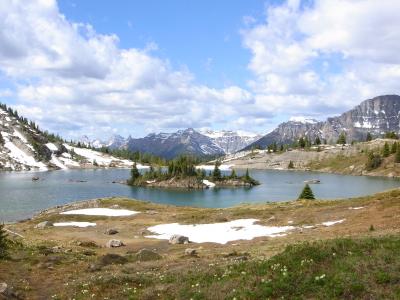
x: 170, y: 145
x: 114, y: 142
x: 376, y: 116
x: 23, y: 146
x: 230, y: 141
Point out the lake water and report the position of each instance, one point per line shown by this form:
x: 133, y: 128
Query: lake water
x: 20, y: 197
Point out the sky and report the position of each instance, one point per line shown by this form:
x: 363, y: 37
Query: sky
x: 99, y: 68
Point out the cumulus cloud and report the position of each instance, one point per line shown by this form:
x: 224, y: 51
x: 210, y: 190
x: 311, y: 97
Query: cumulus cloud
x: 74, y: 80
x: 324, y: 56
x: 312, y: 58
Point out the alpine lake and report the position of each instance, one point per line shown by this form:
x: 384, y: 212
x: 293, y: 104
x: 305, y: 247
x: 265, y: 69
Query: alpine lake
x: 21, y: 197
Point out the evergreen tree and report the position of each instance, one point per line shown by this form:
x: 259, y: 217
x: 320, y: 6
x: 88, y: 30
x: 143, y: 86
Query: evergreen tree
x: 4, y: 243
x: 307, y: 193
x: 134, y: 173
x: 302, y: 142
x: 216, y: 175
x: 369, y: 137
x: 394, y: 148
x: 1, y: 139
x: 386, y: 150
x: 397, y: 156
x: 233, y: 174
x: 374, y: 161
x: 281, y: 148
x: 247, y: 175
x: 317, y: 141
x: 291, y: 165
x: 342, y: 139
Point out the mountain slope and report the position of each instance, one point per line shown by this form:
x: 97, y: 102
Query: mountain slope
x: 376, y: 116
x: 23, y: 146
x: 230, y: 141
x: 170, y: 145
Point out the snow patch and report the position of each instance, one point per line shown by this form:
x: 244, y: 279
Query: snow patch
x: 211, y: 167
x: 52, y: 147
x: 208, y: 183
x: 356, y: 208
x: 303, y: 120
x: 57, y: 162
x: 221, y: 233
x: 109, y: 212
x: 330, y: 223
x: 23, y: 158
x: 74, y: 224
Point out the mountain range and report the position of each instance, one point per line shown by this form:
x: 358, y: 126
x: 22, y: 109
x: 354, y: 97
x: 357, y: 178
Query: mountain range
x: 189, y: 141
x: 375, y: 116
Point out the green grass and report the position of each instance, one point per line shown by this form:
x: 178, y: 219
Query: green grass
x: 367, y: 268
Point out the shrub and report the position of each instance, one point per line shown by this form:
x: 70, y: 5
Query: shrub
x: 4, y: 243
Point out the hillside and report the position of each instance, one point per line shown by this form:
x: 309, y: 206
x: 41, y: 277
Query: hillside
x: 341, y: 249
x: 376, y: 116
x: 347, y: 159
x: 23, y: 146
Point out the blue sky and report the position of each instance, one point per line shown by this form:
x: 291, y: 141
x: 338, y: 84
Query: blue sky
x: 203, y: 35
x: 133, y: 67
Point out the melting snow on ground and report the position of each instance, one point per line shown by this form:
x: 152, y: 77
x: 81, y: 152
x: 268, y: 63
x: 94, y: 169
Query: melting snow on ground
x: 22, y: 157
x: 330, y: 223
x: 356, y: 208
x: 211, y: 167
x: 74, y: 224
x: 109, y: 212
x: 221, y: 233
x: 51, y: 147
x: 208, y: 183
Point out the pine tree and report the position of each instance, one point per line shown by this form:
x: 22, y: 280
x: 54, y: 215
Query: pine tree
x: 247, y: 175
x: 4, y: 244
x: 369, y: 137
x: 307, y: 193
x: 1, y: 139
x: 397, y: 156
x: 342, y: 139
x: 302, y: 142
x: 317, y: 141
x: 233, y: 174
x: 394, y: 148
x: 386, y: 150
x: 217, y: 172
x: 134, y: 173
x: 291, y: 165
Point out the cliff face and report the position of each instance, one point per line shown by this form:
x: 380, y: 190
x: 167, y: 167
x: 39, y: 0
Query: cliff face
x: 376, y: 116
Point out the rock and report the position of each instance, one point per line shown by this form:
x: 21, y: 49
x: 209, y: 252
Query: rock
x: 6, y: 292
x: 87, y: 244
x: 190, y: 252
x: 111, y: 231
x: 111, y: 258
x: 147, y: 255
x: 35, y: 178
x: 44, y: 224
x: 178, y: 239
x: 114, y: 243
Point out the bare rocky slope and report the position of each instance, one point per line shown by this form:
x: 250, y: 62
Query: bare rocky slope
x: 376, y: 116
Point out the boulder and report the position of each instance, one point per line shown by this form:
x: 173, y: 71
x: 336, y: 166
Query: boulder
x: 178, y: 239
x: 112, y: 259
x: 6, y: 292
x: 190, y: 252
x: 43, y: 225
x: 111, y: 231
x: 114, y: 244
x: 147, y: 255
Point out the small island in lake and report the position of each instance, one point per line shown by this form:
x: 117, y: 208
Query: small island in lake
x: 182, y: 173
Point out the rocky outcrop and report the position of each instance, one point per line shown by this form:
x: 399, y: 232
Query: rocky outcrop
x: 376, y: 116
x: 178, y: 239
x: 114, y: 244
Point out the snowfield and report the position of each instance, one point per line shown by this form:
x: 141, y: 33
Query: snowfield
x: 109, y: 212
x: 221, y: 233
x: 74, y: 224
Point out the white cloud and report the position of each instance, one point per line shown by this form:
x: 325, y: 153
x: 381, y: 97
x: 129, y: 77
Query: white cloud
x: 74, y: 80
x: 324, y: 56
